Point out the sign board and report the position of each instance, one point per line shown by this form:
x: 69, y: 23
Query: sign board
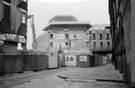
x: 83, y: 58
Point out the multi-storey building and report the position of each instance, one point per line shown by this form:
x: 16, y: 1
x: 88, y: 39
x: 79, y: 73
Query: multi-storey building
x: 122, y: 19
x: 100, y: 39
x: 13, y: 25
x: 65, y: 34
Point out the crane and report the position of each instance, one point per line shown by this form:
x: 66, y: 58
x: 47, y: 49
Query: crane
x: 32, y: 24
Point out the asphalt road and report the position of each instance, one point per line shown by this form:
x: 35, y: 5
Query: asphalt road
x: 69, y: 77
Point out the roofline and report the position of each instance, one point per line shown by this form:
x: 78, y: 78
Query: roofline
x: 66, y: 23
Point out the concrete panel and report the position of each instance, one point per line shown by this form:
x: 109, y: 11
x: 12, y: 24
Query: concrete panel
x: 52, y: 62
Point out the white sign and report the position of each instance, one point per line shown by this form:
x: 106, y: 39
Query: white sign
x: 83, y: 58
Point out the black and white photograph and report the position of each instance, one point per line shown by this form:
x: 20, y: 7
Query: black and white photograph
x: 67, y: 44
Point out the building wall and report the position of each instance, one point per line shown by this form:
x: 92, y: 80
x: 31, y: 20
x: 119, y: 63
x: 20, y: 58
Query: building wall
x: 99, y: 38
x: 14, y: 15
x: 122, y: 18
x: 76, y: 42
x: 69, y: 41
x: 133, y: 40
x: 71, y: 27
x: 13, y: 24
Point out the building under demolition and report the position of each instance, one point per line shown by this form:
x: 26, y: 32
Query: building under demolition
x: 66, y: 35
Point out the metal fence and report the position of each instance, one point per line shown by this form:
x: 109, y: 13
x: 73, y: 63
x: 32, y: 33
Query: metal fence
x: 19, y: 63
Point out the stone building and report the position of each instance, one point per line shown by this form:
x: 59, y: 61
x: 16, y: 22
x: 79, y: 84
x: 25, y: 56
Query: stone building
x: 100, y: 39
x: 122, y: 19
x: 65, y: 34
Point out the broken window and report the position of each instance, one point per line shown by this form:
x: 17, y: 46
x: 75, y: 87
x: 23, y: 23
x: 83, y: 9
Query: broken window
x: 74, y: 36
x: 66, y: 43
x: 66, y: 36
x: 51, y: 36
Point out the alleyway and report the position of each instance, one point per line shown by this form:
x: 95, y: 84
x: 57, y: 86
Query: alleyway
x: 96, y: 77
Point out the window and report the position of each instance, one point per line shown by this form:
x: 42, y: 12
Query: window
x: 107, y: 36
x: 89, y: 32
x: 74, y: 36
x: 66, y: 43
x: 7, y: 11
x: 94, y: 45
x: 66, y: 36
x: 94, y: 36
x: 87, y: 44
x: 101, y: 36
x: 51, y: 44
x: 101, y: 44
x: 51, y: 36
x: 108, y: 44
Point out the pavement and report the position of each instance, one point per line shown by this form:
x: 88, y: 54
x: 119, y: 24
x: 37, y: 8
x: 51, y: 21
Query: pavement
x: 75, y: 77
x: 97, y: 77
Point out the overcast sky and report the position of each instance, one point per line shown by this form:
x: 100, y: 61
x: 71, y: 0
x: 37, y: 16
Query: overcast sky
x: 93, y: 11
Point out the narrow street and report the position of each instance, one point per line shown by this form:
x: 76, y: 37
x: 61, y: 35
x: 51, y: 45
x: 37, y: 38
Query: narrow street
x: 70, y: 77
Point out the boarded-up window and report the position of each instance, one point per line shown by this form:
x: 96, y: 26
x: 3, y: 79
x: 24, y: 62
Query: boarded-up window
x: 108, y: 44
x: 74, y: 36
